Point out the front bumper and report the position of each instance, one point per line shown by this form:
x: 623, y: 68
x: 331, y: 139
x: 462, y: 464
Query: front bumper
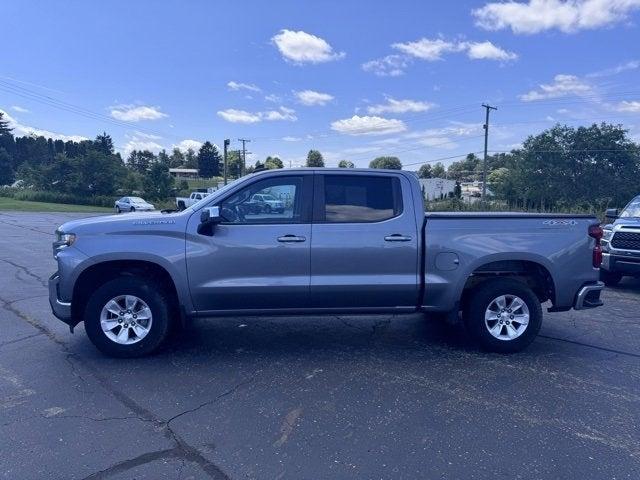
x: 626, y: 264
x: 62, y: 310
x: 589, y: 296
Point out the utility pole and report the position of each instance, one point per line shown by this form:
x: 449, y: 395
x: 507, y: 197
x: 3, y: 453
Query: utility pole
x: 486, y: 142
x: 244, y: 154
x: 226, y: 145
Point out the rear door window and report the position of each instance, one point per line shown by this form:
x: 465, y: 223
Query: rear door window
x: 358, y: 199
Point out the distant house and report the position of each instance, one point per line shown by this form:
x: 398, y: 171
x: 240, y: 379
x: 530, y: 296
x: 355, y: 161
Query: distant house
x: 437, y: 188
x: 184, y: 172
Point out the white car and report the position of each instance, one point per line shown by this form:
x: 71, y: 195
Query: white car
x: 133, y: 204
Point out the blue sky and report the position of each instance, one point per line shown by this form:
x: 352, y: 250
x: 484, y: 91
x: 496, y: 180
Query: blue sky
x: 354, y: 79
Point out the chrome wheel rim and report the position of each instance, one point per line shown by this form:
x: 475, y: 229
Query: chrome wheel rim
x: 126, y: 319
x: 506, y: 317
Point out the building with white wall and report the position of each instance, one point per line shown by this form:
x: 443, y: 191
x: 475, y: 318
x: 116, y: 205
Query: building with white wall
x: 436, y: 188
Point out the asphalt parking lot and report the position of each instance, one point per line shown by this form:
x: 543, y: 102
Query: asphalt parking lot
x: 387, y: 397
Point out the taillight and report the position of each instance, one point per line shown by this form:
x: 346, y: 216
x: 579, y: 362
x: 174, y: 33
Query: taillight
x: 595, y: 231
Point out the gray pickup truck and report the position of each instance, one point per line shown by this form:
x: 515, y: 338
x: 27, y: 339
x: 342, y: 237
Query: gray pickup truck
x: 621, y: 244
x: 347, y: 242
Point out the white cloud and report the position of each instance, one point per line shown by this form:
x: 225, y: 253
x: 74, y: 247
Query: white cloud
x: 487, y: 51
x: 632, y: 106
x: 239, y: 116
x: 187, y: 144
x: 272, y: 98
x: 368, y: 125
x: 311, y: 97
x: 148, y: 136
x: 426, y: 49
x: 136, y: 113
x: 623, y: 67
x: 389, y: 66
x: 291, y: 139
x: 242, y: 116
x: 19, y: 109
x: 20, y: 129
x: 243, y: 86
x: 302, y: 47
x: 399, y: 106
x: 567, y: 16
x: 141, y: 144
x: 432, y: 50
x: 283, y: 113
x: 562, y: 86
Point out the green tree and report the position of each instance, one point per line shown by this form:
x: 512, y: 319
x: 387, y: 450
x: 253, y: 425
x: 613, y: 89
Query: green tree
x: 157, y: 183
x: 425, y: 171
x: 465, y: 170
x: 190, y: 159
x: 6, y: 139
x: 272, y: 163
x: 104, y: 143
x: 164, y: 158
x: 234, y: 164
x: 315, y: 159
x: 6, y: 168
x: 208, y: 160
x: 346, y: 164
x: 177, y: 159
x: 438, y: 171
x: 392, y: 163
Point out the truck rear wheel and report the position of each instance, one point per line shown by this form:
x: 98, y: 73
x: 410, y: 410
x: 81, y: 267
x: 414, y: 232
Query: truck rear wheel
x: 503, y: 315
x: 128, y: 317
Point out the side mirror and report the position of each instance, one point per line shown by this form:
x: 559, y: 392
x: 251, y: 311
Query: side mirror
x: 611, y: 213
x: 208, y: 219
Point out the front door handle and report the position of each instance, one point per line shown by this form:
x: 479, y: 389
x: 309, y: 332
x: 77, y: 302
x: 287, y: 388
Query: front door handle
x: 396, y: 237
x: 291, y: 239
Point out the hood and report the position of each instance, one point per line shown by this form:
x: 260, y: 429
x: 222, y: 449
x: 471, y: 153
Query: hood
x: 116, y: 223
x: 628, y: 221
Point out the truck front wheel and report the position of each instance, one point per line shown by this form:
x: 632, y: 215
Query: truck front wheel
x: 128, y: 317
x: 503, y: 315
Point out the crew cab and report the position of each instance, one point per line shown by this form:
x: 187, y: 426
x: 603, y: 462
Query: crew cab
x: 351, y: 242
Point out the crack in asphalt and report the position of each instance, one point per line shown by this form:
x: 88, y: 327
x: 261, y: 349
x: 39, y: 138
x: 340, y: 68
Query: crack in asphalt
x: 182, y: 449
x: 588, y: 345
x: 27, y: 271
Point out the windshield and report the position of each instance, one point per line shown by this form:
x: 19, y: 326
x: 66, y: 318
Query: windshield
x: 632, y: 210
x: 137, y: 200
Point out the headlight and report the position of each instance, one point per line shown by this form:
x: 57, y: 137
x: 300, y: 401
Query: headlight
x: 64, y: 239
x: 607, y: 235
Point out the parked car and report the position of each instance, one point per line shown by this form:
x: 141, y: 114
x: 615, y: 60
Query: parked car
x: 354, y: 241
x: 621, y: 244
x: 133, y: 204
x: 266, y: 203
x: 185, y: 202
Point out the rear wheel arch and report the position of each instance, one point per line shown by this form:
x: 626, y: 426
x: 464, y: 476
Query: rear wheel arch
x: 532, y: 273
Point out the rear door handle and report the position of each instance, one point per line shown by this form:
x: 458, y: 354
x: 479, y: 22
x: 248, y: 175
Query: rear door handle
x: 291, y: 239
x: 396, y: 237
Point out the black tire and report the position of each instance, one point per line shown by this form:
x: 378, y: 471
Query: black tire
x: 610, y: 279
x: 267, y: 208
x: 481, y: 298
x: 147, y: 290
x: 181, y: 205
x: 133, y: 209
x: 118, y: 209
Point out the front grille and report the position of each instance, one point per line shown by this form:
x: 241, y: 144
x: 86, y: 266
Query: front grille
x: 626, y: 240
